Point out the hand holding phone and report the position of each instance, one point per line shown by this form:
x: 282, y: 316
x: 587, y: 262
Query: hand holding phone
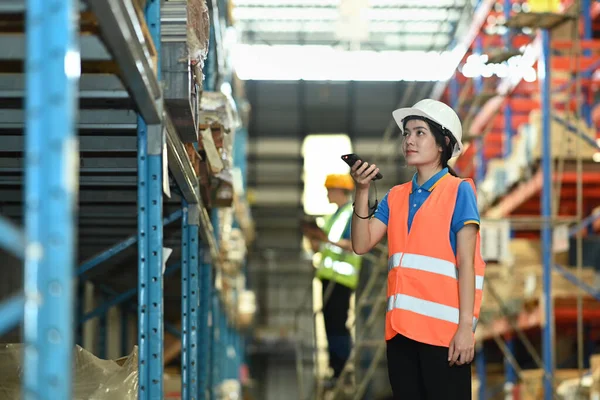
x: 364, y: 172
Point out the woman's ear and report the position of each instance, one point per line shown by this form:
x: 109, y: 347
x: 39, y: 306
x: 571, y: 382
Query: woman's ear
x: 447, y: 140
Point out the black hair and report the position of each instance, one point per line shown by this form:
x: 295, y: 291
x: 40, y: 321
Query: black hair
x: 440, y: 134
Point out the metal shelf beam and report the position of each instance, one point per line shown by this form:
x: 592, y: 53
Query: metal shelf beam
x: 12, y: 238
x: 123, y: 35
x: 12, y: 311
x: 119, y: 247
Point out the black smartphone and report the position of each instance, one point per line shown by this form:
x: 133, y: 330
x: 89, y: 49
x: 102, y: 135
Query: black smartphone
x: 352, y: 158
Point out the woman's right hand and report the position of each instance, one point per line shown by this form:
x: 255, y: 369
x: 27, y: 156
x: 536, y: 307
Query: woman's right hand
x: 363, y: 174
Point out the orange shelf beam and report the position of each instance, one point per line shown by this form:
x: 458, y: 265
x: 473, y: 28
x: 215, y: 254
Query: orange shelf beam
x: 565, y: 312
x: 568, y: 64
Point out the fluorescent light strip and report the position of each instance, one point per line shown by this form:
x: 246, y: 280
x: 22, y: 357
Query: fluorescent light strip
x: 332, y: 14
x: 335, y: 3
x: 319, y: 63
x: 397, y: 27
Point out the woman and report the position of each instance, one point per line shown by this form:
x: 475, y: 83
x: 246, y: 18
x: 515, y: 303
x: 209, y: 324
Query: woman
x: 435, y: 269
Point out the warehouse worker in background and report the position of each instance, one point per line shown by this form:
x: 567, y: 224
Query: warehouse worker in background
x: 338, y: 269
x: 435, y: 268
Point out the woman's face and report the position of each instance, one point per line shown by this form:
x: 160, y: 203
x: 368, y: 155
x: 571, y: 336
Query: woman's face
x: 419, y: 144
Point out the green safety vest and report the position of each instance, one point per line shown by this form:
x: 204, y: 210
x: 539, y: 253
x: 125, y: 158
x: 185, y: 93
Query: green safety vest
x: 337, y: 264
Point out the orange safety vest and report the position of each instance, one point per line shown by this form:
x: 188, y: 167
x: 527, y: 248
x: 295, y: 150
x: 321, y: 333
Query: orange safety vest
x: 423, y: 302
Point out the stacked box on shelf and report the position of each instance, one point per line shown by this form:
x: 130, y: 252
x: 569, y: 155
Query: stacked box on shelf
x: 494, y: 379
x: 494, y: 182
x: 528, y: 272
x: 526, y: 153
x: 595, y: 371
x: 216, y: 131
x: 184, y: 49
x: 512, y: 286
x: 499, y: 293
x: 563, y: 143
x: 532, y: 388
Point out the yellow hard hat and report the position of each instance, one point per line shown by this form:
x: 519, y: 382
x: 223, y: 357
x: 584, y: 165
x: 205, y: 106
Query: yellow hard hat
x: 339, y: 181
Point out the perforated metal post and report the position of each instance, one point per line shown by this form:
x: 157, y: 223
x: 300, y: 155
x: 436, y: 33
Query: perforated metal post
x: 150, y: 241
x: 185, y: 316
x: 546, y: 205
x: 586, y: 18
x: 215, y: 348
x: 190, y: 303
x: 215, y: 315
x: 204, y: 332
x: 52, y: 69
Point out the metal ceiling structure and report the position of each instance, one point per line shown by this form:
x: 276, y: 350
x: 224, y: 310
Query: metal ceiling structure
x: 379, y: 25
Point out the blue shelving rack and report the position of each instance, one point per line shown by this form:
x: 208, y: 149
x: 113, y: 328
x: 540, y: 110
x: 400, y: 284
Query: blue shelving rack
x: 58, y: 81
x: 503, y: 89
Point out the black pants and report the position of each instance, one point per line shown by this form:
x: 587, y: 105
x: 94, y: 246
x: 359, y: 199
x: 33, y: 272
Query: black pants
x: 335, y: 314
x: 419, y: 371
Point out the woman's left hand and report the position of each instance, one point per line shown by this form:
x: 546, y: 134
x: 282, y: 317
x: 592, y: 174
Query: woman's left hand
x: 462, y: 346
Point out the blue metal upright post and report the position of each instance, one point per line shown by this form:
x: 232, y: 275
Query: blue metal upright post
x: 185, y: 324
x: 586, y: 17
x: 508, y: 131
x: 52, y: 69
x: 454, y: 92
x: 546, y: 206
x: 124, y: 331
x: 510, y: 375
x: 479, y: 155
x: 215, y: 315
x: 150, y: 231
x: 204, y: 338
x: 102, y: 322
x: 214, y: 346
x: 481, y: 372
x: 190, y: 302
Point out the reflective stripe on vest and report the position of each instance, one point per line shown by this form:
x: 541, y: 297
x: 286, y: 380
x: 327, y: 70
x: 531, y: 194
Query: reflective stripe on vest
x: 336, y: 264
x: 428, y: 264
x: 340, y: 267
x: 424, y: 307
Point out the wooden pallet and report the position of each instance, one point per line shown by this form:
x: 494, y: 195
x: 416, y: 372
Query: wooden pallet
x: 542, y: 20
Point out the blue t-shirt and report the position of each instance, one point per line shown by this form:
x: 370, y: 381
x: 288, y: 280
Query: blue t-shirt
x: 465, y: 210
x: 346, y: 234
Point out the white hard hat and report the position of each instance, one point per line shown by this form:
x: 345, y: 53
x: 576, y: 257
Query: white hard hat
x: 437, y: 112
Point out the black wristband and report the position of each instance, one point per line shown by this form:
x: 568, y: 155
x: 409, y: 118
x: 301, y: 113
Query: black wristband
x: 374, y: 208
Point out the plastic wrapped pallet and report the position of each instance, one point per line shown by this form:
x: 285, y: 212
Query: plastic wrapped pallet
x: 197, y: 36
x: 532, y: 386
x: 246, y: 308
x: 140, y: 4
x: 528, y: 251
x: 595, y: 384
x: 216, y: 107
x: 230, y: 389
x: 94, y: 378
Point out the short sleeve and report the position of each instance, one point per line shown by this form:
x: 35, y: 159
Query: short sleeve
x: 347, y: 231
x: 383, y: 211
x: 465, y: 211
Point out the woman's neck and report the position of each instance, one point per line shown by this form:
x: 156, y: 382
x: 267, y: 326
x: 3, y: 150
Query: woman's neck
x: 425, y: 172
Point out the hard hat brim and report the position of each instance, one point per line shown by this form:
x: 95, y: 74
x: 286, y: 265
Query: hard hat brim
x: 401, y: 113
